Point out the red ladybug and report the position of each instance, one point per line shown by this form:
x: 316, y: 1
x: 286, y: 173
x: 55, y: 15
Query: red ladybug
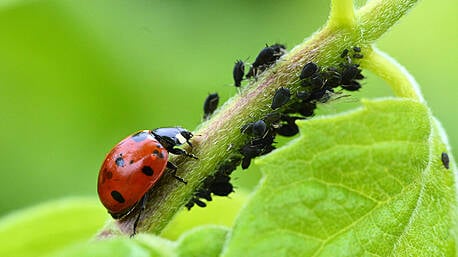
x: 134, y: 165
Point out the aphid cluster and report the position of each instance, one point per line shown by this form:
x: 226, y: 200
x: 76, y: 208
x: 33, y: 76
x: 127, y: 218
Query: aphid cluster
x: 317, y: 82
x: 218, y: 184
x: 262, y: 135
x: 317, y: 85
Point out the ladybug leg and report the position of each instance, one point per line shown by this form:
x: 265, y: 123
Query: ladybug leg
x: 178, y: 151
x: 189, y: 143
x: 142, y: 208
x: 174, y: 172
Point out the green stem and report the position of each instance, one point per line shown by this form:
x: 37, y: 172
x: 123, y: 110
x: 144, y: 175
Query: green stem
x: 342, y: 14
x: 397, y: 77
x: 220, y: 137
x: 385, y: 12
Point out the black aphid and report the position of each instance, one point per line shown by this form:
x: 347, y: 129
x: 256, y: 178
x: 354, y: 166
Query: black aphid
x: 332, y: 77
x: 268, y: 56
x: 352, y: 86
x: 304, y: 108
x: 358, y: 56
x: 210, y: 104
x: 350, y: 72
x: 238, y: 72
x: 303, y: 95
x: 249, y: 152
x: 204, y: 194
x: 256, y: 129
x: 445, y: 160
x: 281, y: 97
x: 344, y: 53
x: 288, y: 127
x: 221, y: 185
x: 317, y: 80
x: 257, y: 146
x: 308, y: 70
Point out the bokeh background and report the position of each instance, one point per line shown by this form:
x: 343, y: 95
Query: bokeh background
x: 78, y: 76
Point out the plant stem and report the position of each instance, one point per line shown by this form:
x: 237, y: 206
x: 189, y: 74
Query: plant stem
x: 342, y: 14
x: 397, y: 77
x: 220, y: 137
x: 385, y: 13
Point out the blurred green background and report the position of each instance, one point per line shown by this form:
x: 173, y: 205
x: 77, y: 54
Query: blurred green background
x: 78, y: 76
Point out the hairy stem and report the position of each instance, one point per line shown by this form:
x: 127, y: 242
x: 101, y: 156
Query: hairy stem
x: 397, y: 77
x: 342, y: 14
x: 385, y: 13
x: 220, y: 137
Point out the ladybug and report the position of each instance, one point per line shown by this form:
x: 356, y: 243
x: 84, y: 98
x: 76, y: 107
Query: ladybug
x: 135, y: 164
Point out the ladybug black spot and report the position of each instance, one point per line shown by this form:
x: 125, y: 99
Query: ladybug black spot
x: 147, y: 170
x: 119, y: 161
x: 158, y: 154
x: 445, y: 160
x: 131, y: 161
x: 140, y: 136
x: 117, y: 196
x: 108, y: 174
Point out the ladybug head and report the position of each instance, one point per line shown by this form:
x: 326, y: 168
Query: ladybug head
x: 171, y: 137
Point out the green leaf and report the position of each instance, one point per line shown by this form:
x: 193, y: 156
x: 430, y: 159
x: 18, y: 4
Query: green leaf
x: 202, y: 241
x: 141, y: 246
x: 205, y: 241
x: 51, y: 226
x: 365, y: 183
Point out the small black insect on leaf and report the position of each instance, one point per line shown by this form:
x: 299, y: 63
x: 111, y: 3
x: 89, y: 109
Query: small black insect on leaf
x: 445, y: 160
